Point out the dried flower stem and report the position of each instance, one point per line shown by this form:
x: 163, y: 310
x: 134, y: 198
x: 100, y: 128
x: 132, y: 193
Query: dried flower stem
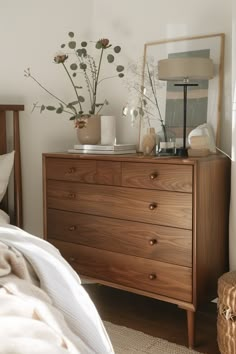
x: 88, y: 82
x: 156, y: 102
x: 105, y: 78
x: 96, y: 82
x: 28, y: 74
x: 72, y: 82
x: 89, y: 73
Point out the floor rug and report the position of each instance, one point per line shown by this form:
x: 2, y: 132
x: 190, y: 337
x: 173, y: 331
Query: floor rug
x: 129, y: 341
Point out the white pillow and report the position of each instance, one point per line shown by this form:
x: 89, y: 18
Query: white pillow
x: 4, y: 218
x: 6, y: 165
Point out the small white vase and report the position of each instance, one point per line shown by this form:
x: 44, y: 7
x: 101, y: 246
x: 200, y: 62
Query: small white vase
x: 108, y: 130
x: 91, y: 132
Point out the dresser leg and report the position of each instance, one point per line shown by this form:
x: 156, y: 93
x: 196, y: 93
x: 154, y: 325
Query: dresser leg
x: 191, y: 328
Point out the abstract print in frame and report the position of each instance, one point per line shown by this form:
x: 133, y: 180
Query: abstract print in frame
x: 204, y: 100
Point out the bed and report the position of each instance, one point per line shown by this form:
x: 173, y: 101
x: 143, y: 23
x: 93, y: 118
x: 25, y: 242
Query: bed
x: 43, y: 306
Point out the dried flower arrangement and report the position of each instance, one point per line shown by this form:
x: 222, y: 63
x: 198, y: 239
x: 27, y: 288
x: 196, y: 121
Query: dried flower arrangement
x: 83, y: 70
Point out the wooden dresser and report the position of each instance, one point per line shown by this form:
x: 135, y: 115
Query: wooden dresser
x: 153, y: 226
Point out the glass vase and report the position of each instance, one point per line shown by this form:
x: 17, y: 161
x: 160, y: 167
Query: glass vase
x: 166, y: 142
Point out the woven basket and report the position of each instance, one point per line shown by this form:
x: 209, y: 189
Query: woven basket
x: 226, y: 319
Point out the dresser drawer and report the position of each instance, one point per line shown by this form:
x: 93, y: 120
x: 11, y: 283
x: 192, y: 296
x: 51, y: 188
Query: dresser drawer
x: 108, y: 172
x: 150, y: 206
x: 157, y: 176
x: 155, y: 242
x: 138, y: 273
x: 71, y: 170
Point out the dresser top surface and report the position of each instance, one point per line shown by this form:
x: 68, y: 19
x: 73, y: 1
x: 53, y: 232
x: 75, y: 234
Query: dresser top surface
x: 139, y: 157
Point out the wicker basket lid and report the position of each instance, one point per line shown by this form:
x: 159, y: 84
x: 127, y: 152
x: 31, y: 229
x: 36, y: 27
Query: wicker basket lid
x: 227, y: 290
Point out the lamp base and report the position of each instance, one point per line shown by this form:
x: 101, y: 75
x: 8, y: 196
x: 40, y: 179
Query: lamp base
x: 181, y: 152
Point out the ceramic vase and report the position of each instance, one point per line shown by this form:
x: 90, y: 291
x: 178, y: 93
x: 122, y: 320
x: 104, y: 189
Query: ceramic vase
x: 91, y: 132
x: 149, y: 142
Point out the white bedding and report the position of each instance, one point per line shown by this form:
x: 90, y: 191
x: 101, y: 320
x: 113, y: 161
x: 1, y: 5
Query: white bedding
x: 62, y: 284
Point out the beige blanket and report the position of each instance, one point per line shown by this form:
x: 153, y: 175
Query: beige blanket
x: 29, y: 323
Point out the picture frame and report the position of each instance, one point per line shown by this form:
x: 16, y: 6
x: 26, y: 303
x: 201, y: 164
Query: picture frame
x: 211, y: 46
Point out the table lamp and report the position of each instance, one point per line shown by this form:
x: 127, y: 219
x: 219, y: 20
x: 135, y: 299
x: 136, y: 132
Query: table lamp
x: 185, y: 69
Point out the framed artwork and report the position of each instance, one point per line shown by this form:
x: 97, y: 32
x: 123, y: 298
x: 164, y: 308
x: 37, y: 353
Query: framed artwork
x: 165, y: 100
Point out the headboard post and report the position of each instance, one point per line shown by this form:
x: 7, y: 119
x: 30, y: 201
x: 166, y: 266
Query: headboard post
x: 18, y: 213
x: 3, y: 137
x: 17, y: 174
x: 3, y: 149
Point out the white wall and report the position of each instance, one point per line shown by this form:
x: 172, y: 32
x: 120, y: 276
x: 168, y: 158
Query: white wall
x: 132, y: 23
x: 232, y: 228
x: 30, y: 34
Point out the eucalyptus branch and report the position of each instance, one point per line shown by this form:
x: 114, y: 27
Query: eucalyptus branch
x: 68, y: 111
x: 72, y: 82
x: 85, y: 65
x: 39, y: 106
x: 28, y: 74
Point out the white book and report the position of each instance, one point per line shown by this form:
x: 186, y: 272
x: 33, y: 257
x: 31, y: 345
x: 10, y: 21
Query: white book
x: 103, y: 152
x: 117, y: 147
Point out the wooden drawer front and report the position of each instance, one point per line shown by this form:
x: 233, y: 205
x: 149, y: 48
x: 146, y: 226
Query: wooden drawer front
x: 157, y: 277
x: 155, y: 207
x: 108, y: 172
x: 157, y: 176
x: 71, y: 170
x: 161, y: 243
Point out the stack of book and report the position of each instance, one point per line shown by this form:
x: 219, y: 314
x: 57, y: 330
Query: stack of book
x: 104, y: 149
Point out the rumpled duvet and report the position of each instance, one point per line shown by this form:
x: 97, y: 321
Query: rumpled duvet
x: 43, y: 306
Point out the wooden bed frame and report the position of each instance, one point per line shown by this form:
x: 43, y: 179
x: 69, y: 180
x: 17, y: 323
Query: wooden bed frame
x: 14, y: 112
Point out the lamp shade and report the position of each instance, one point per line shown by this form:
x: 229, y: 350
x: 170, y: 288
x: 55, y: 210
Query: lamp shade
x: 177, y: 69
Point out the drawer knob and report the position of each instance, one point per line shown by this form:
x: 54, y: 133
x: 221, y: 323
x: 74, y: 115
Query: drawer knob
x: 71, y: 195
x: 152, y: 206
x: 153, y: 176
x: 72, y: 228
x: 152, y: 242
x: 71, y: 170
x: 152, y: 276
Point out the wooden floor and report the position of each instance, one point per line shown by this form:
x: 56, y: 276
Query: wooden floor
x: 154, y: 317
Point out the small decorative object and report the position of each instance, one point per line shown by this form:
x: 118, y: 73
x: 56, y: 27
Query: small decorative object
x: 202, y: 137
x: 165, y: 142
x: 108, y: 130
x: 84, y: 71
x: 149, y: 142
